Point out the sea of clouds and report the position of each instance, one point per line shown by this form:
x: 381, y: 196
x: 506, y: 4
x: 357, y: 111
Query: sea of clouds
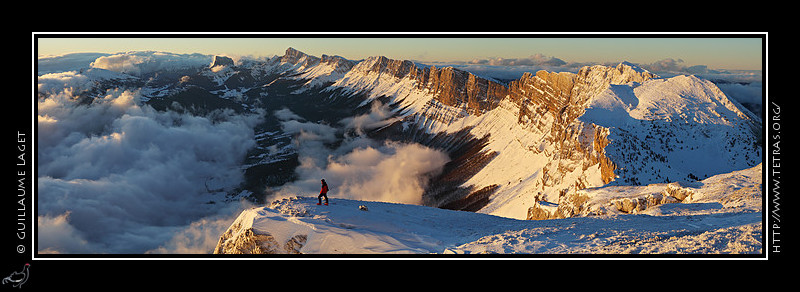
x: 122, y: 177
x: 117, y: 176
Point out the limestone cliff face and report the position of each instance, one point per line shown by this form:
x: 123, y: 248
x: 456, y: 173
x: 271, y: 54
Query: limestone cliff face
x: 449, y: 86
x: 458, y: 88
x: 542, y: 93
x: 395, y: 68
x: 551, y: 103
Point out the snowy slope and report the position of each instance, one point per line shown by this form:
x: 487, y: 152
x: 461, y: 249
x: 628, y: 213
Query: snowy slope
x: 723, y: 216
x: 344, y: 228
x: 676, y: 129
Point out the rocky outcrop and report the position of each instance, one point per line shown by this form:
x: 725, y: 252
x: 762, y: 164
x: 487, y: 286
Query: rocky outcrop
x: 543, y: 210
x: 641, y: 203
x: 626, y: 200
x: 242, y: 238
x: 678, y: 192
x: 569, y: 205
x: 222, y: 61
x: 251, y: 241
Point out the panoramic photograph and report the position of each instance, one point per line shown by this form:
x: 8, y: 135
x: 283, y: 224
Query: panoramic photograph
x: 425, y: 146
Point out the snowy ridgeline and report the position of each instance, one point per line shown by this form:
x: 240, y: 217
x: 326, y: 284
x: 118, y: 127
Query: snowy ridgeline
x: 721, y: 214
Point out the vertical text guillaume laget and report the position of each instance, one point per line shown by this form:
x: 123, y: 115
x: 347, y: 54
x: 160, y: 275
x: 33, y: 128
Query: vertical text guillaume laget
x: 21, y: 190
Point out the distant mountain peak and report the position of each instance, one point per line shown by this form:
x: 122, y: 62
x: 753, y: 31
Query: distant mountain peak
x: 221, y: 61
x: 294, y: 56
x: 633, y: 66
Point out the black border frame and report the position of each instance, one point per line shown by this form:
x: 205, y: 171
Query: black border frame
x: 42, y: 264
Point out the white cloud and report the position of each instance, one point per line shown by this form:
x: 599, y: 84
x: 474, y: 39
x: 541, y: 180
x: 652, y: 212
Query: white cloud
x: 360, y: 168
x: 286, y: 114
x: 66, y: 62
x: 56, y: 235
x: 394, y: 172
x: 378, y: 116
x: 533, y: 60
x: 70, y: 80
x: 129, y: 177
x: 744, y: 93
x: 142, y: 62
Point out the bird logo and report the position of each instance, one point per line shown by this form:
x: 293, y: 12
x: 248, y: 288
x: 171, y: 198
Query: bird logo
x: 18, y: 278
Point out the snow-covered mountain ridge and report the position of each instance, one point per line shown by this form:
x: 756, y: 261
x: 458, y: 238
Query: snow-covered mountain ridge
x: 555, y: 132
x: 712, y: 219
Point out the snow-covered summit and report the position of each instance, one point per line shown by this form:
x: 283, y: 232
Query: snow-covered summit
x: 632, y: 66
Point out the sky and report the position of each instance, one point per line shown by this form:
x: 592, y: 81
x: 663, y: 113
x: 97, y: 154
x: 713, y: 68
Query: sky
x: 729, y: 52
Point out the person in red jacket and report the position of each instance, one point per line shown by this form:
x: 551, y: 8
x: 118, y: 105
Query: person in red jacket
x: 323, y: 193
